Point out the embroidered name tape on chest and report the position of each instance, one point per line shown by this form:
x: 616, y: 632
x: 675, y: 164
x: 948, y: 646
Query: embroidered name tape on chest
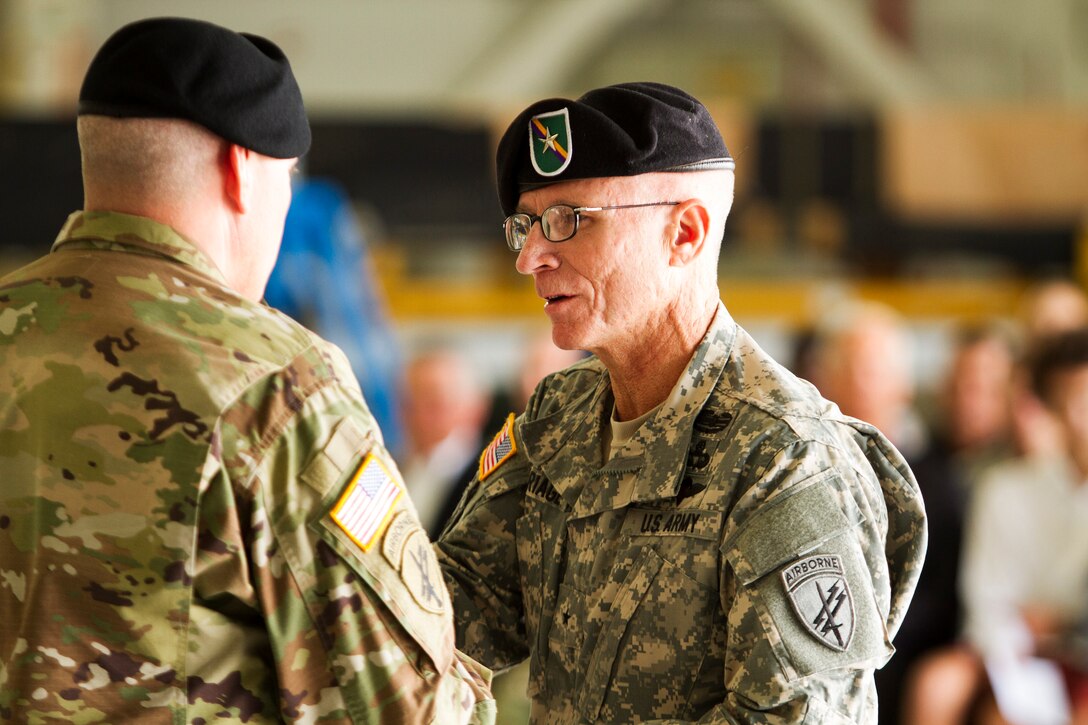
x: 668, y: 522
x: 500, y: 449
x: 367, y: 504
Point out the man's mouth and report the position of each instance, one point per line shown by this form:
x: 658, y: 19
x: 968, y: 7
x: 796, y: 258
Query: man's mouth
x: 551, y: 299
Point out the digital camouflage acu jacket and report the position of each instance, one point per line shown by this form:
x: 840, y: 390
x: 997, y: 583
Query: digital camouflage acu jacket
x: 745, y: 558
x: 198, y: 520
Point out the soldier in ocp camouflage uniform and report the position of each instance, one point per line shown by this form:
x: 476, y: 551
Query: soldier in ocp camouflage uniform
x: 198, y: 520
x: 676, y: 529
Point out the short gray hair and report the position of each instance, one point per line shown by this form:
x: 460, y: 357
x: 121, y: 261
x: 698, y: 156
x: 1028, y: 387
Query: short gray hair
x: 161, y: 158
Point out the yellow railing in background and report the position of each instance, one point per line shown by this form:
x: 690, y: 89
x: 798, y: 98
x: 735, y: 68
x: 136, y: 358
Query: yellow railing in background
x: 794, y: 302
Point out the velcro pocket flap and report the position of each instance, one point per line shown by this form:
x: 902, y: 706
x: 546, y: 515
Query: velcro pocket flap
x: 788, y: 527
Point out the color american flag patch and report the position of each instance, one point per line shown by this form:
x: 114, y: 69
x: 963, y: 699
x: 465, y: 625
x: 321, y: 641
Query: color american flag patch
x: 367, y: 505
x: 501, y: 447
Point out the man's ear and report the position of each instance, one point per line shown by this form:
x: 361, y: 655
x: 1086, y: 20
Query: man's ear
x: 238, y: 177
x: 692, y: 223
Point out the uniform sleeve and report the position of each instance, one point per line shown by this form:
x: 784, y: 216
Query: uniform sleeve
x: 479, y: 560
x: 352, y: 599
x: 805, y: 588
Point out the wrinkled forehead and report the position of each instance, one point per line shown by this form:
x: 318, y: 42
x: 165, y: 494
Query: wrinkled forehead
x: 603, y: 191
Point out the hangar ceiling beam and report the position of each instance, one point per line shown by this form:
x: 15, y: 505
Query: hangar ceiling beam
x: 540, y: 47
x: 842, y: 32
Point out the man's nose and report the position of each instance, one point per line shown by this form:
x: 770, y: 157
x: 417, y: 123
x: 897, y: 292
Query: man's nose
x: 537, y: 253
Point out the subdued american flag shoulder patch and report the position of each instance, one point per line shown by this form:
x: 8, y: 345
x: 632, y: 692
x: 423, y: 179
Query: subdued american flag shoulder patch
x: 368, y: 503
x: 502, y: 446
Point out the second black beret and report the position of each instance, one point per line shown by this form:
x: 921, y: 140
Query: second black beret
x: 237, y: 85
x: 620, y: 130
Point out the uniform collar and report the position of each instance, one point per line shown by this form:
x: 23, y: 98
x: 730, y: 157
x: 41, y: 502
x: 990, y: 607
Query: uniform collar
x: 648, y: 467
x: 134, y: 234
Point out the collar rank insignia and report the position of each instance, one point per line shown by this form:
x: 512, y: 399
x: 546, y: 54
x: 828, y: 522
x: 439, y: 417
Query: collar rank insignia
x: 550, y: 142
x: 367, y: 504
x: 820, y: 596
x: 502, y: 446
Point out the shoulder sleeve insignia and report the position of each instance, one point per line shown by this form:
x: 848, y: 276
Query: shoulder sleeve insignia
x: 820, y: 596
x: 401, y: 526
x: 368, y: 502
x: 502, y: 446
x: 421, y: 573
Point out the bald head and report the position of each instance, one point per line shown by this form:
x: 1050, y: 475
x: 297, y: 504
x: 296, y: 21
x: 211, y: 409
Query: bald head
x: 864, y: 352
x: 441, y: 396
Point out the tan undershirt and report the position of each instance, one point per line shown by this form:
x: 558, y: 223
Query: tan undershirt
x: 619, y: 432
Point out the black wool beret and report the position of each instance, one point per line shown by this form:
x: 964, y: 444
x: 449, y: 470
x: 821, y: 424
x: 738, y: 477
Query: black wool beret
x: 620, y: 130
x: 238, y: 86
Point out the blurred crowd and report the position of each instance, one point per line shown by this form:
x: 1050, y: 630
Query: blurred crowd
x: 998, y: 628
x: 1000, y: 450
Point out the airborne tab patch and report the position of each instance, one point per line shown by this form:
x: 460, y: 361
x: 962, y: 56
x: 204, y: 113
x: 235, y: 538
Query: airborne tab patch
x: 501, y: 448
x: 820, y: 596
x: 395, y: 535
x: 367, y: 504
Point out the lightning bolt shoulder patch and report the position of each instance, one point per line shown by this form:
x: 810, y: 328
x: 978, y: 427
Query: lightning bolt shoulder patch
x: 821, y: 598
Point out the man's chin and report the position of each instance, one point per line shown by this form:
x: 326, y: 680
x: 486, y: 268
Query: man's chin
x: 564, y: 339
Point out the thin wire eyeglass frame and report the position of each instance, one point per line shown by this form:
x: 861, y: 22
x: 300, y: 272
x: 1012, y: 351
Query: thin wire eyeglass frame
x: 528, y: 220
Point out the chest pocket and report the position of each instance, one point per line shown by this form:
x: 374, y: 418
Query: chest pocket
x: 541, y: 538
x: 799, y: 563
x: 639, y: 646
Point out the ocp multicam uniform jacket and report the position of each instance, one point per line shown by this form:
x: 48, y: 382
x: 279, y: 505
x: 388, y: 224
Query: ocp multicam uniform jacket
x: 745, y: 558
x: 198, y: 520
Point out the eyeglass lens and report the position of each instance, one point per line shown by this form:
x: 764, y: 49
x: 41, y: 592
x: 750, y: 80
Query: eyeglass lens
x: 557, y: 222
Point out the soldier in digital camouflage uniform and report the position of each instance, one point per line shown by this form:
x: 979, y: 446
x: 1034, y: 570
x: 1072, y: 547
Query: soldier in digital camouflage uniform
x: 676, y: 529
x: 198, y: 520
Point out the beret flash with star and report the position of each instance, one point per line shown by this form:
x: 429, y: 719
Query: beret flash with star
x: 621, y: 130
x: 237, y: 85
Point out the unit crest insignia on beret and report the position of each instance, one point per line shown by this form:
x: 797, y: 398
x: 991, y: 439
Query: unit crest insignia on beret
x: 550, y: 146
x: 502, y: 446
x: 821, y: 597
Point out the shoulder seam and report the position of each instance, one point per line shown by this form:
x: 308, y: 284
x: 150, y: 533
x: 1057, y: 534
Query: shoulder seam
x: 275, y: 426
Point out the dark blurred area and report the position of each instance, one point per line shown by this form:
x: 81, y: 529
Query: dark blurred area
x: 429, y: 182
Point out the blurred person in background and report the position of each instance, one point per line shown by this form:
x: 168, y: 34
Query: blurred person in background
x: 802, y: 361
x: 974, y: 424
x: 1024, y: 573
x: 324, y: 278
x: 1046, y: 308
x: 443, y: 408
x: 541, y: 357
x: 198, y: 520
x: 676, y: 527
x: 971, y: 430
x: 860, y: 358
x: 862, y: 361
x: 1052, y: 306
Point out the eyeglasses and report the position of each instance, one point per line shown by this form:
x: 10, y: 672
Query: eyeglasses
x: 559, y: 222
